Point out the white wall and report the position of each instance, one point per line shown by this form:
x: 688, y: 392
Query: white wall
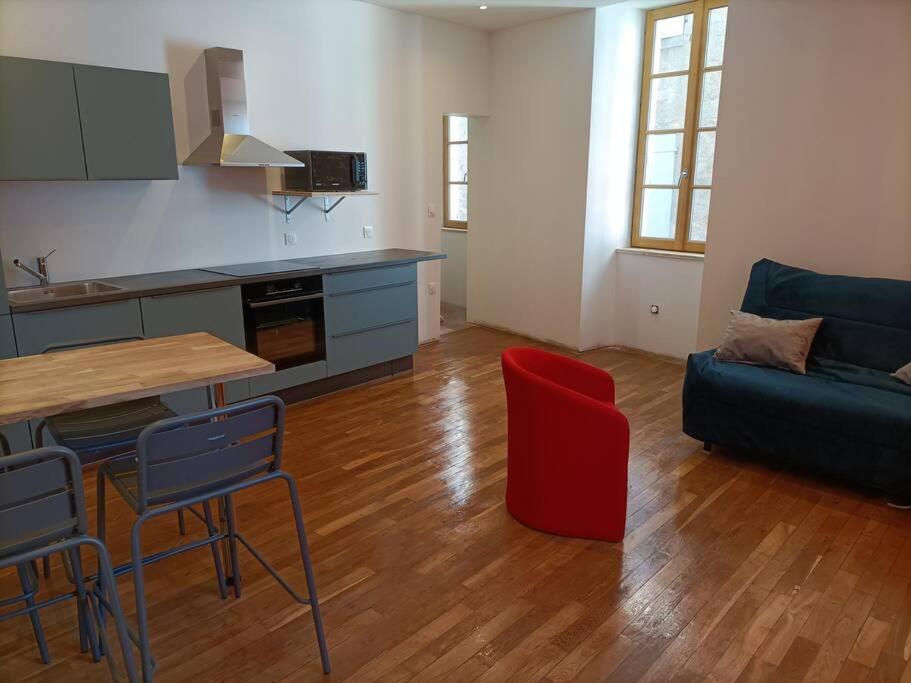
x: 455, y: 267
x: 527, y: 233
x: 305, y: 90
x: 616, y: 78
x: 813, y: 162
x: 672, y: 283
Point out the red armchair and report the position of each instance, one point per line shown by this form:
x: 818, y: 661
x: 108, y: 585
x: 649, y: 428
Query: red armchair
x: 568, y: 446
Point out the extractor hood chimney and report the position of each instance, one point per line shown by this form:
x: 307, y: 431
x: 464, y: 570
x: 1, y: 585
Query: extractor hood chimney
x: 229, y: 143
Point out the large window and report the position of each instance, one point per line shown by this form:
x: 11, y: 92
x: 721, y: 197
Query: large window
x: 681, y: 81
x: 455, y: 171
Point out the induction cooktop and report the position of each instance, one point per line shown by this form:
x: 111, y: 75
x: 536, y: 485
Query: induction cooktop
x: 249, y: 269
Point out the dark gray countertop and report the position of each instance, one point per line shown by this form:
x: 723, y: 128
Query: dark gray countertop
x: 194, y: 279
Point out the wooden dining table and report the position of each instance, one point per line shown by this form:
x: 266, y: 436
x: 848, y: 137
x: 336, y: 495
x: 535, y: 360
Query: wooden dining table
x: 49, y: 384
x: 34, y: 387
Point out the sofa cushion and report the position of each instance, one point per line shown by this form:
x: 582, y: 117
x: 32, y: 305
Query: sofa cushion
x: 867, y: 321
x: 840, y: 398
x: 903, y: 374
x: 765, y: 341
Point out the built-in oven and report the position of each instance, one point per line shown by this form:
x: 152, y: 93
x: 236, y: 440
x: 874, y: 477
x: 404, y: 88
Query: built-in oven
x: 284, y: 321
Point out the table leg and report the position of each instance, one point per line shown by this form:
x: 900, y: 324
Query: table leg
x: 232, y: 573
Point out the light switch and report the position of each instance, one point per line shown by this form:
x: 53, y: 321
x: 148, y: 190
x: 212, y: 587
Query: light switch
x: 368, y: 232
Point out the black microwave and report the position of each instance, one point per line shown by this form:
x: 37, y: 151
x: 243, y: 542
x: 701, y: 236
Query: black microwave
x: 327, y: 172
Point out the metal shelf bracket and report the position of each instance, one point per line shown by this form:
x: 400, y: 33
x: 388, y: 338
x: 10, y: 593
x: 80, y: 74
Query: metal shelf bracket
x: 327, y: 207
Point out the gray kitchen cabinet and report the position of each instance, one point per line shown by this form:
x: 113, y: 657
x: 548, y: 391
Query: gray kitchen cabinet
x: 371, y: 316
x: 4, y: 297
x: 361, y: 349
x: 216, y: 311
x: 127, y: 124
x: 36, y: 330
x: 40, y: 136
x: 17, y: 435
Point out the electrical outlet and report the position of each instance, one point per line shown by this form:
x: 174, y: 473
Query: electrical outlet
x: 368, y: 232
x: 432, y: 288
x: 290, y: 239
x: 431, y: 210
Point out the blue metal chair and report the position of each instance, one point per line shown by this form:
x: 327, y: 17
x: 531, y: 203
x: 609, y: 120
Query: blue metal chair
x: 193, y: 459
x: 104, y: 432
x: 42, y: 511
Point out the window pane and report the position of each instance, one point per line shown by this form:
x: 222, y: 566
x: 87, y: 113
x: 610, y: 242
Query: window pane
x: 714, y: 48
x: 458, y: 163
x: 705, y: 157
x: 711, y: 88
x: 663, y: 158
x: 673, y: 40
x: 667, y: 103
x: 458, y: 128
x: 659, y: 213
x: 699, y: 215
x: 458, y: 202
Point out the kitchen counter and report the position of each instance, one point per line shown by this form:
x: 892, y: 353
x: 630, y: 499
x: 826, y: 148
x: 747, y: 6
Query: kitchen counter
x: 134, y: 286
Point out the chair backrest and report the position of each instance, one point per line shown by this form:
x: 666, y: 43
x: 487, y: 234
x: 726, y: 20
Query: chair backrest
x: 83, y: 343
x: 41, y: 499
x: 186, y: 455
x: 866, y: 321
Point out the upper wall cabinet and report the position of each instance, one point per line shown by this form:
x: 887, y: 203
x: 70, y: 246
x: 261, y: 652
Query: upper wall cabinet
x: 39, y: 121
x: 127, y: 129
x: 73, y: 122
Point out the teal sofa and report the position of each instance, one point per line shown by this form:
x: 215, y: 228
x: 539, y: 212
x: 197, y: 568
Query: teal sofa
x: 847, y: 417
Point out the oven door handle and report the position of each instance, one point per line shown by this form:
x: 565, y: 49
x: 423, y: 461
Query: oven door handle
x: 286, y: 300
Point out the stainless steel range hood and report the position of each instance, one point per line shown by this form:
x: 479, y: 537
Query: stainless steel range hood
x: 229, y: 143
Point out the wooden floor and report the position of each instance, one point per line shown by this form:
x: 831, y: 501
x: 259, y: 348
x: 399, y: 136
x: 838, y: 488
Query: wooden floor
x: 729, y: 571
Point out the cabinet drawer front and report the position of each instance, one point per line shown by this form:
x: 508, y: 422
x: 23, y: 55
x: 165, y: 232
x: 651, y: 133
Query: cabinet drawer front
x: 356, y: 311
x: 35, y: 331
x: 369, y: 278
x: 362, y: 349
x: 289, y: 377
x: 7, y: 339
x: 216, y: 311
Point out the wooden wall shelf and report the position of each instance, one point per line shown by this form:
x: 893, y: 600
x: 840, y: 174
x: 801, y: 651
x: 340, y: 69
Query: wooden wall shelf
x: 327, y: 197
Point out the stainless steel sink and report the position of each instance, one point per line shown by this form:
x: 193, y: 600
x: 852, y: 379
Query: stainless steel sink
x: 30, y: 295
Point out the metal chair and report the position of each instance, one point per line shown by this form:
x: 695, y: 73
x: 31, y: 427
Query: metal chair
x: 104, y: 432
x: 42, y: 511
x: 191, y: 459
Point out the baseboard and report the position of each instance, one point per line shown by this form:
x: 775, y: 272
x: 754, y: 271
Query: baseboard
x: 329, y: 385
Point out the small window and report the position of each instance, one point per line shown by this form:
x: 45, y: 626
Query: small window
x: 455, y: 171
x: 681, y: 82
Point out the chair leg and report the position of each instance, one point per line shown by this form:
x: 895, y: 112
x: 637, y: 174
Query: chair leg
x: 106, y: 573
x: 39, y: 443
x: 232, y: 543
x: 216, y: 556
x: 139, y: 588
x: 28, y: 588
x: 181, y: 523
x: 308, y: 571
x: 101, y: 503
x: 87, y: 639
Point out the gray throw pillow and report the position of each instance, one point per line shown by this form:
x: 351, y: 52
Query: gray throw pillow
x: 903, y: 374
x: 781, y: 344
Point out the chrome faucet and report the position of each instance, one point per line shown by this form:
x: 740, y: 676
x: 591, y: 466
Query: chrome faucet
x: 41, y: 273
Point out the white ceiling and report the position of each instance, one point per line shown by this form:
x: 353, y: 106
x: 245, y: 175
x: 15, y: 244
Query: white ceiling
x: 499, y: 13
